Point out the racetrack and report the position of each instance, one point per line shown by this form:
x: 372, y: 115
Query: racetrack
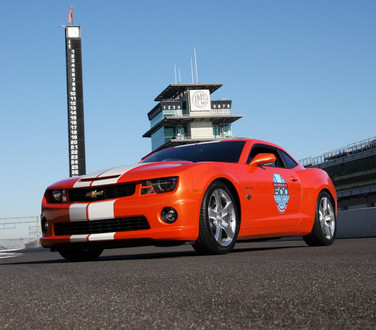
x: 260, y: 285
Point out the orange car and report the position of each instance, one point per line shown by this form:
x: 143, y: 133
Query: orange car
x: 210, y: 195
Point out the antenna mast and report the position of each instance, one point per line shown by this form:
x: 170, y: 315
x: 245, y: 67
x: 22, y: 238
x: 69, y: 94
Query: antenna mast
x: 194, y: 50
x: 192, y: 71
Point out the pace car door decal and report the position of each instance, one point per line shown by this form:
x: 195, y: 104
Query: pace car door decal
x: 281, y: 193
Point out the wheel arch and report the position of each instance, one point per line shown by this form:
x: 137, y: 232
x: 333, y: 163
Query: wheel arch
x: 209, y: 241
x: 333, y: 200
x: 234, y: 193
x: 314, y: 181
x: 323, y: 232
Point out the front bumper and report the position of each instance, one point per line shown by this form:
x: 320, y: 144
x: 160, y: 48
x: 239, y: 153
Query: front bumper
x: 185, y: 228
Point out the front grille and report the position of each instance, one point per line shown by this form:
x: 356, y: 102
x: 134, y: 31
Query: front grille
x: 101, y: 226
x: 101, y: 193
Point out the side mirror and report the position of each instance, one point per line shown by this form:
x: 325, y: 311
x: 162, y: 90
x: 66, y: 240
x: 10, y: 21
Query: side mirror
x: 262, y: 159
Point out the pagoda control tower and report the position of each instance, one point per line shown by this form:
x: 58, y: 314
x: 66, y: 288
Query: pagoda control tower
x: 186, y: 114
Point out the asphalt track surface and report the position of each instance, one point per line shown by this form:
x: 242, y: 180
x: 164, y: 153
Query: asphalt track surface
x: 260, y: 285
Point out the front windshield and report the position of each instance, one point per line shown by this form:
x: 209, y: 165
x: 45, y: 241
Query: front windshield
x: 228, y: 151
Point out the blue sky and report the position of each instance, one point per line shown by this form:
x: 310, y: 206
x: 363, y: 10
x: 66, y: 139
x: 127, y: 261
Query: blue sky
x: 302, y: 73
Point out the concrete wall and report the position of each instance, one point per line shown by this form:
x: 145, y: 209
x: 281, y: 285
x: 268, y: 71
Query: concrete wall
x: 356, y: 223
x: 16, y: 243
x: 201, y: 129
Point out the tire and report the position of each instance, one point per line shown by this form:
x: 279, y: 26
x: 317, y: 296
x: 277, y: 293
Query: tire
x: 325, y: 225
x: 219, y: 221
x: 81, y: 254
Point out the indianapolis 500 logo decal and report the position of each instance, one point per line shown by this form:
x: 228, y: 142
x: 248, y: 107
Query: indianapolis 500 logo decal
x: 281, y: 193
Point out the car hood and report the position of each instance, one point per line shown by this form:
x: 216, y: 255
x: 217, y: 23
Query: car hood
x: 142, y: 171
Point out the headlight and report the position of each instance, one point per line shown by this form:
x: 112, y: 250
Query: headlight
x: 57, y: 196
x: 158, y: 186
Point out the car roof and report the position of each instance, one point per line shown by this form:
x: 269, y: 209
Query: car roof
x: 249, y: 141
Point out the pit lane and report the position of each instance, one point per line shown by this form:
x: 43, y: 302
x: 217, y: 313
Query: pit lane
x: 260, y: 285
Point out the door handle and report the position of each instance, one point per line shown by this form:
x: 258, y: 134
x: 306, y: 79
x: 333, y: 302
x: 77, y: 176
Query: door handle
x: 293, y: 179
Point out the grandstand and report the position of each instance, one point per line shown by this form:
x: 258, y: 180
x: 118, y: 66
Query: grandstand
x: 353, y: 171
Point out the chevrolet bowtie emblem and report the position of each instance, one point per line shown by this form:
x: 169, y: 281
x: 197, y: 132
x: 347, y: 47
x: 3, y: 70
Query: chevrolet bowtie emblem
x: 94, y: 194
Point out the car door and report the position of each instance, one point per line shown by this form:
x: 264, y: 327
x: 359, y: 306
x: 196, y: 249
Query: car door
x: 275, y: 200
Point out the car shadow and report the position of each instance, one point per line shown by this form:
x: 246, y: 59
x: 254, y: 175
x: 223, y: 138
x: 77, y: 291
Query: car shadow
x: 179, y: 254
x: 153, y: 255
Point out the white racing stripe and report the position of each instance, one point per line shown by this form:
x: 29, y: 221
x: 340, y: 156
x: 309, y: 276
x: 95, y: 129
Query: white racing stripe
x: 104, y: 182
x: 118, y: 170
x: 101, y: 237
x: 79, y: 184
x: 78, y: 238
x: 91, y: 237
x: 101, y: 210
x: 88, y: 179
x: 96, y: 210
x: 99, y: 178
x: 77, y: 212
x: 4, y: 254
x: 91, y: 211
x: 114, y: 173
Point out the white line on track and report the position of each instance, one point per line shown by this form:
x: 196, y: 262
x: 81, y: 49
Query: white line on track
x: 9, y: 253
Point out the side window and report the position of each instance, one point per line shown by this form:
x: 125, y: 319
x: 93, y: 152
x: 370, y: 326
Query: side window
x: 261, y: 149
x: 290, y: 163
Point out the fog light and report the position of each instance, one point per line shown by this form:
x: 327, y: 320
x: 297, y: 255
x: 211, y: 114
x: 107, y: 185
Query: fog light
x: 169, y: 215
x: 44, y: 225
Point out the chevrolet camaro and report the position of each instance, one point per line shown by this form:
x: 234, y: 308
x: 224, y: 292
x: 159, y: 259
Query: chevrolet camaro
x: 210, y: 195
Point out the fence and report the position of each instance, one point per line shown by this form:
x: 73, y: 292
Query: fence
x: 17, y: 231
x: 348, y: 150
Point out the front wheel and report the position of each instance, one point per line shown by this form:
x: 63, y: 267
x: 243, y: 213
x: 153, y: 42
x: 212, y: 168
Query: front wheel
x: 325, y: 225
x: 89, y: 254
x: 219, y: 221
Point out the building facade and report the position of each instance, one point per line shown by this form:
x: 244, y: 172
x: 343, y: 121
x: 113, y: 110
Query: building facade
x: 186, y: 114
x: 353, y: 172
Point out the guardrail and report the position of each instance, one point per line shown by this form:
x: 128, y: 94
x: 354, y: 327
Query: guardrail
x: 175, y: 113
x: 189, y: 137
x: 346, y: 151
x: 20, y: 227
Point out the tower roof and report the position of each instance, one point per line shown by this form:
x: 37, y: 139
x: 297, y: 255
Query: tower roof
x: 174, y: 90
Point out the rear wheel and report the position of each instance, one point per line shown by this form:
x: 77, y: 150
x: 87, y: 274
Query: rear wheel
x: 89, y: 254
x: 219, y: 221
x: 325, y: 225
